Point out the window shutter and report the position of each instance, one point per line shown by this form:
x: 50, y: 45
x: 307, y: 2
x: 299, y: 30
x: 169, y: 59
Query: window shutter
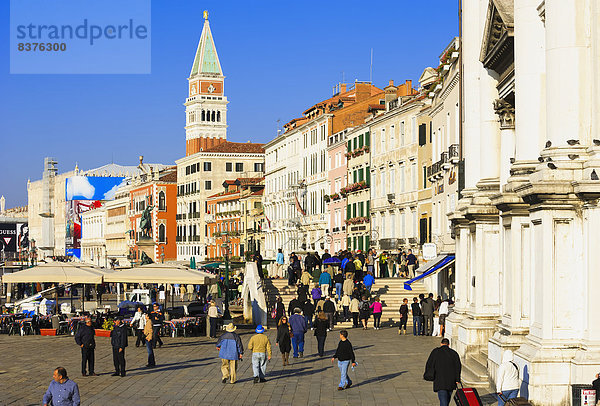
x: 368, y: 176
x: 367, y: 138
x: 422, y: 134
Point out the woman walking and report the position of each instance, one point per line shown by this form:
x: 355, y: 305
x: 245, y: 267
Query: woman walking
x: 383, y: 271
x: 377, y: 309
x: 284, y: 340
x: 355, y: 310
x: 148, y: 339
x: 138, y: 323
x: 279, y: 309
x: 321, y: 326
x: 364, y: 310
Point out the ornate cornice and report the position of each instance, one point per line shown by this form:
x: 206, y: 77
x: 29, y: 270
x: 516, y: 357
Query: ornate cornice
x: 506, y: 114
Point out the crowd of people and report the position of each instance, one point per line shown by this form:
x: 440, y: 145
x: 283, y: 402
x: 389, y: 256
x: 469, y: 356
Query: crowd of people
x: 289, y: 334
x: 381, y: 265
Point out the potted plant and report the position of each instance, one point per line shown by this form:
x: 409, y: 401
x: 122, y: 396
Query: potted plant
x: 327, y: 198
x: 107, y: 327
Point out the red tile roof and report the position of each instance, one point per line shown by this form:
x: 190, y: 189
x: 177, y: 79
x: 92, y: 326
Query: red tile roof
x: 238, y: 147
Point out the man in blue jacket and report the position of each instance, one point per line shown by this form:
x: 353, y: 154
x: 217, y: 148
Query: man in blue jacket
x: 325, y: 282
x: 230, y: 351
x: 299, y: 328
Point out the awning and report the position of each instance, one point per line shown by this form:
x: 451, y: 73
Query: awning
x: 439, y: 263
x: 161, y: 273
x: 58, y: 272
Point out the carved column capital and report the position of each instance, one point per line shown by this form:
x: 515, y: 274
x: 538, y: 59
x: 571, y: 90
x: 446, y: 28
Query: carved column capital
x: 506, y: 113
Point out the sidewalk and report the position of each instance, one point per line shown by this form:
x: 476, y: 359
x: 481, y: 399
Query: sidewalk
x: 389, y: 372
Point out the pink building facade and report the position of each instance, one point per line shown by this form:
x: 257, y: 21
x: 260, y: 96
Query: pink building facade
x: 336, y: 203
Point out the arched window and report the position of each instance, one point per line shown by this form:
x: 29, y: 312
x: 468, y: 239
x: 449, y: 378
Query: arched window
x: 218, y: 116
x: 203, y: 115
x: 162, y: 203
x: 213, y: 116
x: 161, y: 233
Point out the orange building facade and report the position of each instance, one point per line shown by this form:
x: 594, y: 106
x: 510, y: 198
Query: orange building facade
x: 223, y: 220
x: 160, y: 192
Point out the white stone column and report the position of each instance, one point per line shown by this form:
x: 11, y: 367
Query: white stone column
x: 471, y: 71
x: 506, y: 115
x: 530, y: 89
x: 489, y: 147
x: 568, y: 102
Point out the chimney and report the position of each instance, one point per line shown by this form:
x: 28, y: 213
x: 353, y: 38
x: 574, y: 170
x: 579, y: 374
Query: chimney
x: 343, y: 87
x: 362, y: 91
x: 2, y: 204
x: 391, y: 82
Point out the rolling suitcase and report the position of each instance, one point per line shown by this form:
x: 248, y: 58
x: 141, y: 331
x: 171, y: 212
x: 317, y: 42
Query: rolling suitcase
x: 515, y: 401
x: 467, y: 397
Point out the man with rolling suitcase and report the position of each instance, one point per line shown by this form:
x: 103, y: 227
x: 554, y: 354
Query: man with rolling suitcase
x: 443, y: 369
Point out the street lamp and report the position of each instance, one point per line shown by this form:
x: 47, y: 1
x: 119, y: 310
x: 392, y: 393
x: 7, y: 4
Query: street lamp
x: 225, y: 245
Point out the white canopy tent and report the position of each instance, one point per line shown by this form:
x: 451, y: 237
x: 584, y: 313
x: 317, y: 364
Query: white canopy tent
x: 58, y: 272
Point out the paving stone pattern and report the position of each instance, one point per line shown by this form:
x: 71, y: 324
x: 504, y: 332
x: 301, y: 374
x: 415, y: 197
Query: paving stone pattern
x: 390, y: 372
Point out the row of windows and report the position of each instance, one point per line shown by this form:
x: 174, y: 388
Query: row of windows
x: 282, y: 182
x: 204, y: 115
x: 361, y: 140
x: 389, y: 180
x: 358, y: 209
x: 314, y: 136
x: 315, y: 165
x: 207, y: 167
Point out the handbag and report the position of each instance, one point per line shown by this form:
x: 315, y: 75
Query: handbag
x: 273, y: 313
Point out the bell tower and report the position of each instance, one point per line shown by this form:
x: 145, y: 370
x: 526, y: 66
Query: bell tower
x: 206, y: 104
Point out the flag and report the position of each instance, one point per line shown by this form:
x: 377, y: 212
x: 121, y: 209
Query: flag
x: 268, y: 221
x: 298, y: 207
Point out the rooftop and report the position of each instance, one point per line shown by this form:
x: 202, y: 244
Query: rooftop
x: 238, y: 148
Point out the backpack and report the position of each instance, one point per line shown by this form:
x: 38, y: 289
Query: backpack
x: 364, y: 306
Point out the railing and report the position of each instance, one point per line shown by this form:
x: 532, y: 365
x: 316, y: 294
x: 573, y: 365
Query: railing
x: 180, y: 216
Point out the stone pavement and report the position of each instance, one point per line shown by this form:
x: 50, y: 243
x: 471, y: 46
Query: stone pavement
x: 389, y: 372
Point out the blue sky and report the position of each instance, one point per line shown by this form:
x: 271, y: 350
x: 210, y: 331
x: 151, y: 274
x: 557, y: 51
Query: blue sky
x: 278, y: 57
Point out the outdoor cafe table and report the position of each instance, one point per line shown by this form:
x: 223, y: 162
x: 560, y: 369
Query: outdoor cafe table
x: 73, y: 322
x: 182, y: 323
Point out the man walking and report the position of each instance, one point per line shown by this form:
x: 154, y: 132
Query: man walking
x: 157, y: 318
x: 279, y: 264
x: 427, y: 308
x: 329, y: 310
x: 411, y: 262
x: 403, y: 316
x: 260, y: 345
x: 85, y: 339
x: 118, y: 340
x: 325, y: 282
x: 62, y: 391
x: 443, y: 369
x: 299, y: 328
x: 230, y: 351
x: 344, y: 355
